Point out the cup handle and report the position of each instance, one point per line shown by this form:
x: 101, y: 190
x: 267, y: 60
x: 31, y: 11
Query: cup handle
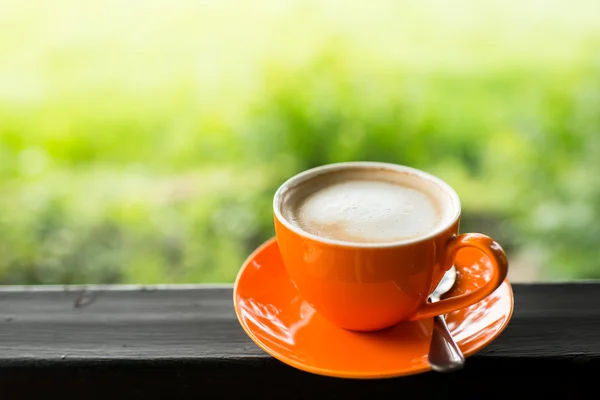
x: 499, y: 263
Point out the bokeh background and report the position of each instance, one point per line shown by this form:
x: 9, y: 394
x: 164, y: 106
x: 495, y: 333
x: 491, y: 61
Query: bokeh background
x: 142, y: 141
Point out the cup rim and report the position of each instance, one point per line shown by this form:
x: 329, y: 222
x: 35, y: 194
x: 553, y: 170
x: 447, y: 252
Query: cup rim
x: 310, y: 173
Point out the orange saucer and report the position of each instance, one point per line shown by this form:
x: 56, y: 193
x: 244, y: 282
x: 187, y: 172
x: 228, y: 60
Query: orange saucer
x: 285, y: 326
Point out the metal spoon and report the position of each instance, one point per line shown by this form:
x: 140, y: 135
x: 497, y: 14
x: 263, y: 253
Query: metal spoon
x: 444, y: 353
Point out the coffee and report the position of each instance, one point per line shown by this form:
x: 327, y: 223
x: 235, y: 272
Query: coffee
x: 365, y: 205
x: 364, y: 243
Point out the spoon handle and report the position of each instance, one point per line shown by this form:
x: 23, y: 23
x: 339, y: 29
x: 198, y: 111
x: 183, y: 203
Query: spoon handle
x: 444, y: 353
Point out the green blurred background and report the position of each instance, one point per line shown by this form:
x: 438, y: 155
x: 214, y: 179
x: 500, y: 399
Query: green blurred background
x: 142, y: 141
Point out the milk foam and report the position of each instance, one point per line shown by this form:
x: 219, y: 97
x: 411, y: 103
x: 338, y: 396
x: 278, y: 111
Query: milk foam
x: 365, y: 210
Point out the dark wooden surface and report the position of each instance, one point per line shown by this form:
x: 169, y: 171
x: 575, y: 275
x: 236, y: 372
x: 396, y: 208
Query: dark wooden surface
x: 187, y: 343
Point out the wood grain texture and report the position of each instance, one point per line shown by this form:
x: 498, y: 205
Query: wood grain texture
x: 187, y: 343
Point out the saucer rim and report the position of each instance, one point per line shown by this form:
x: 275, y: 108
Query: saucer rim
x: 332, y: 373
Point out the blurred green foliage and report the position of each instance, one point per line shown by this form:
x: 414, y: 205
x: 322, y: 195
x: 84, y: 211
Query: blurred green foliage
x: 143, y: 142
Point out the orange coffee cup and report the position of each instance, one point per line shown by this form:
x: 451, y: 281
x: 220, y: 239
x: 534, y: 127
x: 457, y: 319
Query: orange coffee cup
x: 367, y: 286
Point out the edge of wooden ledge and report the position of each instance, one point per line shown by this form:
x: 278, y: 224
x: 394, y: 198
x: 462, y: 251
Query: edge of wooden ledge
x: 199, y: 286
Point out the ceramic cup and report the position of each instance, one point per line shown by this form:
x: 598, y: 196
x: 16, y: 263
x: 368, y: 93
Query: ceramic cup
x: 374, y: 285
